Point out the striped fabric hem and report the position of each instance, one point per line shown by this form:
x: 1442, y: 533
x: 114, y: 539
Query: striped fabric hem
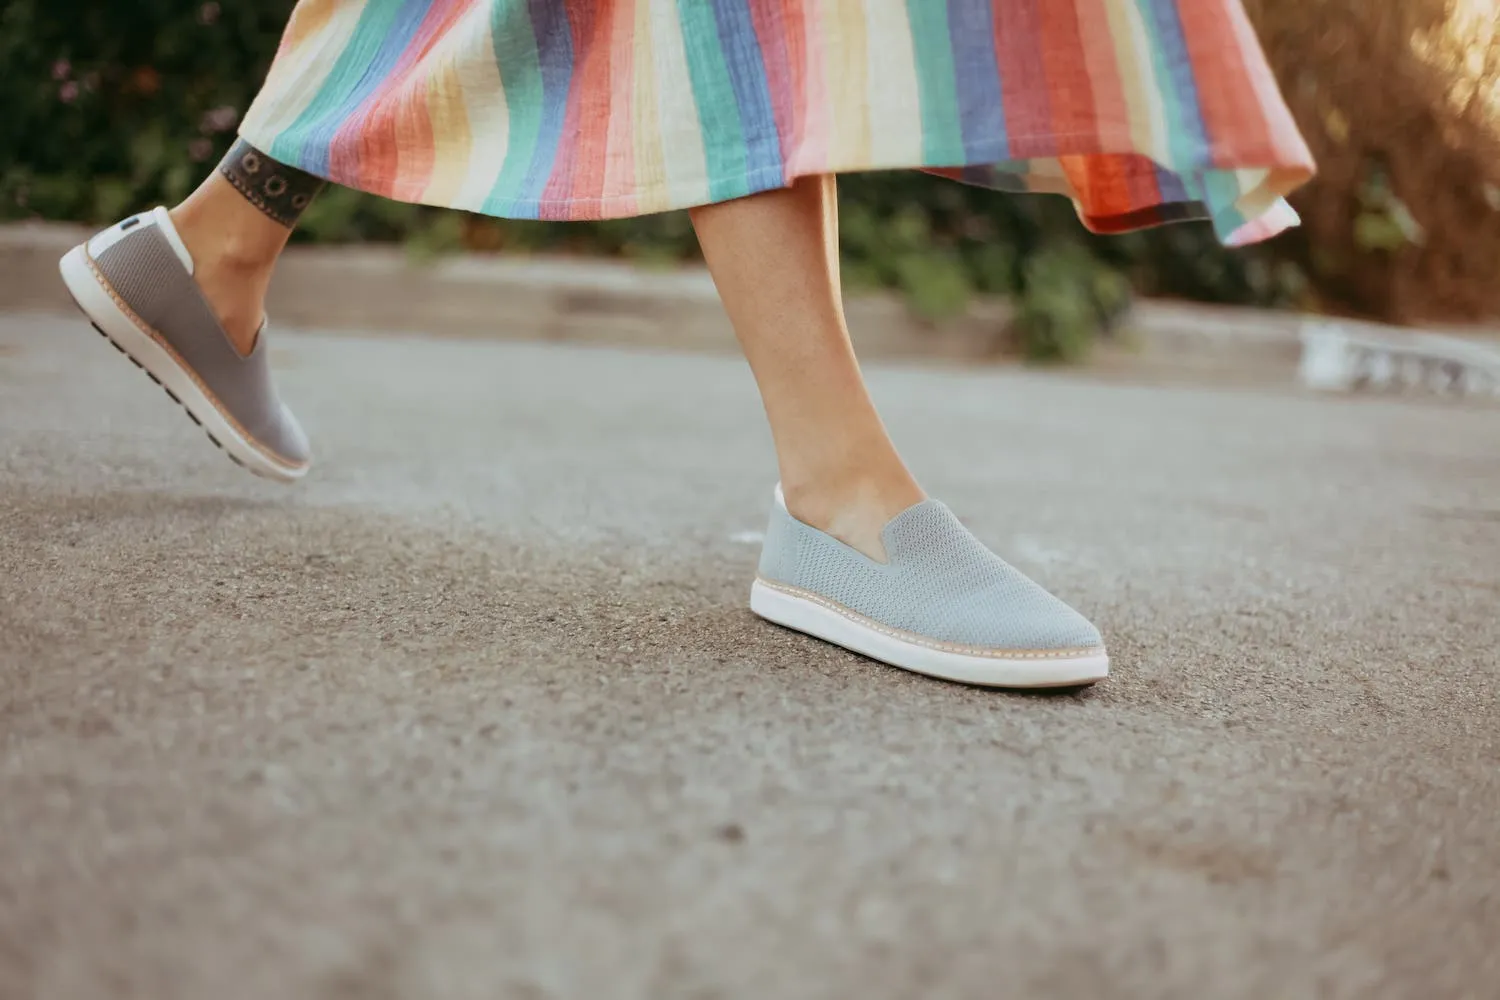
x: 1141, y: 111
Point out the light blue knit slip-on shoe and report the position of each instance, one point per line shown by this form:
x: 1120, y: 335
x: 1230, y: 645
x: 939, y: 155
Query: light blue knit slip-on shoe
x: 942, y: 604
x: 134, y: 281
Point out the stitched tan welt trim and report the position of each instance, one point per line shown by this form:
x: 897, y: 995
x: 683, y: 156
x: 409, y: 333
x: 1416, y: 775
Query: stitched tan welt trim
x: 161, y: 341
x: 921, y: 640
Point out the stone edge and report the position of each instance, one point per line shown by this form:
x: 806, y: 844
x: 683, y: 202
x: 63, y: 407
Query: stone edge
x: 380, y: 288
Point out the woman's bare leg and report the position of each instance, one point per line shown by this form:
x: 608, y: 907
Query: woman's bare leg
x: 775, y: 260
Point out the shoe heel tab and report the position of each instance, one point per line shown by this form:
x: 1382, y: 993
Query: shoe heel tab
x: 163, y: 221
x: 139, y: 223
x: 778, y: 551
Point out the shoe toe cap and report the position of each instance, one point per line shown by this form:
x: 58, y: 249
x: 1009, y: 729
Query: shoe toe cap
x: 1070, y: 630
x: 1033, y: 620
x: 284, y: 436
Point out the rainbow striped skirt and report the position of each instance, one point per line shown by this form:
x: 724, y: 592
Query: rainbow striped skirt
x: 1141, y: 111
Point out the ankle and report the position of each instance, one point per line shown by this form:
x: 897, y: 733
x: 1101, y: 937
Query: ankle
x: 233, y: 273
x: 825, y: 499
x: 225, y: 248
x: 853, y: 505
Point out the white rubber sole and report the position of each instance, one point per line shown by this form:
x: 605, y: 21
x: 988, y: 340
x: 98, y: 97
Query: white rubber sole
x: 141, y: 347
x: 832, y: 622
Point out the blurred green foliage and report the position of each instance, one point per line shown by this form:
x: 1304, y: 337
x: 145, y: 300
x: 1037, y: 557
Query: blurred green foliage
x: 111, y: 107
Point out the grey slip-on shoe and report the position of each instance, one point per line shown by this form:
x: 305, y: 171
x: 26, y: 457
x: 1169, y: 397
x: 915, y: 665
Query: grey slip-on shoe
x: 942, y: 604
x: 134, y: 281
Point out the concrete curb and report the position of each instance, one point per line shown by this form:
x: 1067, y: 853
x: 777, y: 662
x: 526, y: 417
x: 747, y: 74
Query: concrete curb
x: 1352, y: 357
x: 606, y: 302
x: 555, y: 299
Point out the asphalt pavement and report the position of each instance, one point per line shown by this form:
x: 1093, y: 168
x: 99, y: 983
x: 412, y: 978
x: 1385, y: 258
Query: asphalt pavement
x: 478, y: 710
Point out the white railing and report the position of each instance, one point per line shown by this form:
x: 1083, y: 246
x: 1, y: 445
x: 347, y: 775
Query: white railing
x: 1346, y: 356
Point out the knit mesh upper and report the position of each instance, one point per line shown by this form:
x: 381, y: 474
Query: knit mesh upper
x: 146, y: 275
x: 939, y: 581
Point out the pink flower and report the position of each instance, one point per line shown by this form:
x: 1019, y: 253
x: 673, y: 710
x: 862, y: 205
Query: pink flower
x: 200, y: 149
x: 208, y: 13
x: 68, y: 92
x: 220, y: 119
x: 61, y: 69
